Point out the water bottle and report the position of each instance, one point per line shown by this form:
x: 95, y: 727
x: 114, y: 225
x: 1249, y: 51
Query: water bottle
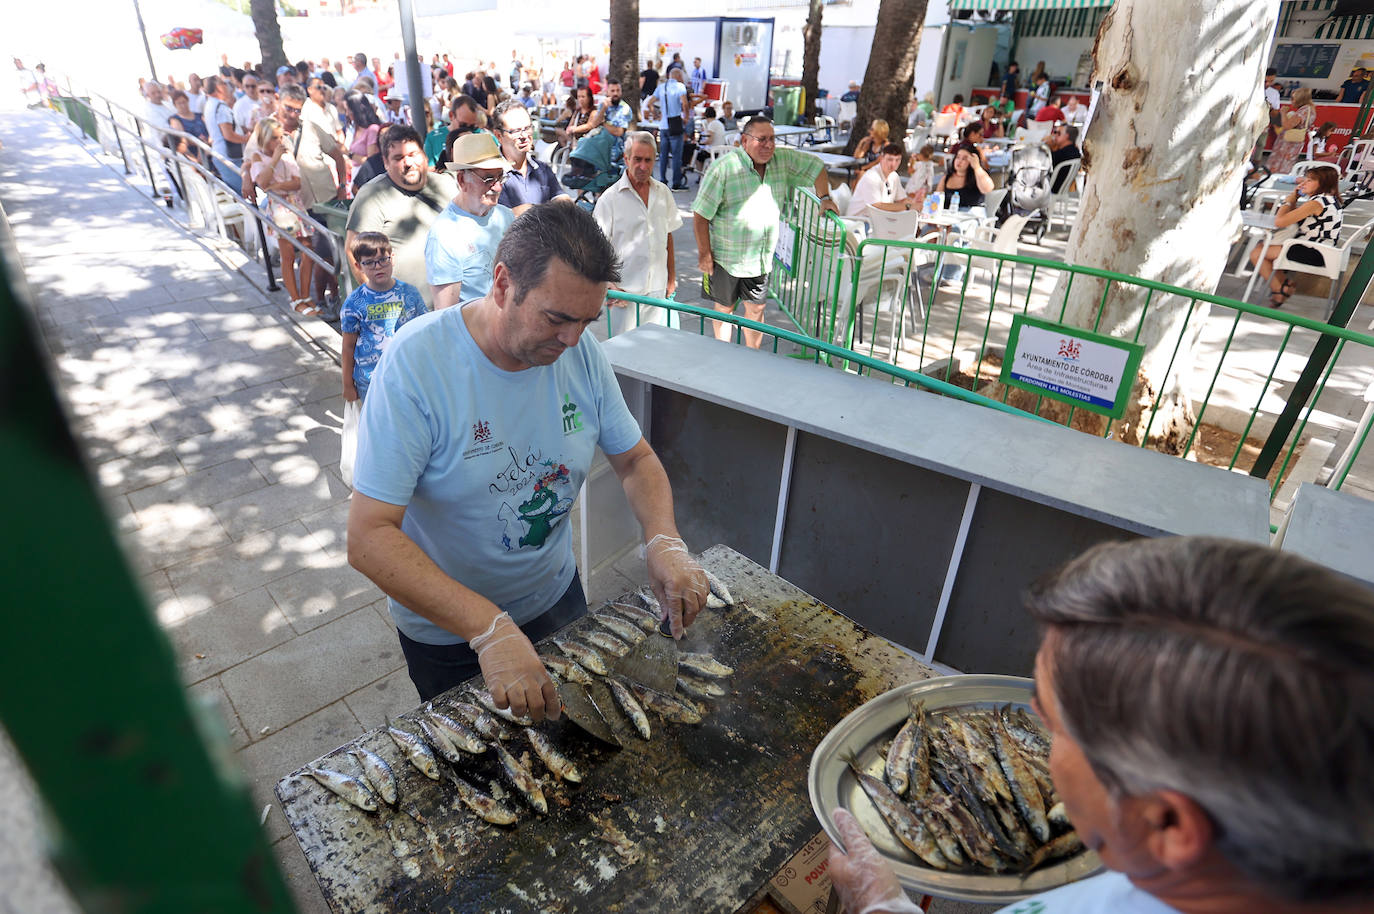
x: 937, y: 200
x: 954, y: 201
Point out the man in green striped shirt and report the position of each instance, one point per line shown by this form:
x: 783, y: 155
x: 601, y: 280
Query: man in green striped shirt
x: 736, y: 214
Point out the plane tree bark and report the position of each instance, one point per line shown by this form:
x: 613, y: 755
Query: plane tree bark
x: 1166, y: 151
x: 268, y: 30
x: 624, y: 62
x: 891, y: 69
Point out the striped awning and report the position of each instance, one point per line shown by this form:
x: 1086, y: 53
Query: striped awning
x: 1027, y: 4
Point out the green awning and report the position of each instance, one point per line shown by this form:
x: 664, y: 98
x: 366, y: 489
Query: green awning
x: 1027, y: 4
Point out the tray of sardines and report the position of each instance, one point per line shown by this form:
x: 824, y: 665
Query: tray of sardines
x: 950, y: 779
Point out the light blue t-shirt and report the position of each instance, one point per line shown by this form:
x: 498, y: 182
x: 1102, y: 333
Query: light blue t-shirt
x: 375, y: 317
x: 670, y: 94
x: 486, y: 461
x: 461, y: 247
x: 1109, y: 893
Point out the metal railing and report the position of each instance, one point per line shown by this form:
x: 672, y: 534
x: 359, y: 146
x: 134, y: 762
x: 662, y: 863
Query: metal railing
x: 1254, y: 371
x: 147, y: 144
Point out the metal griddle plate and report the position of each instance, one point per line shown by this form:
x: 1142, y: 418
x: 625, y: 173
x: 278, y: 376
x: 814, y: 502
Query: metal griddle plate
x: 712, y: 810
x: 866, y: 730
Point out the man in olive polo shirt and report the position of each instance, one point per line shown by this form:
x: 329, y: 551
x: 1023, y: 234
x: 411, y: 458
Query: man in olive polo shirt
x: 735, y: 217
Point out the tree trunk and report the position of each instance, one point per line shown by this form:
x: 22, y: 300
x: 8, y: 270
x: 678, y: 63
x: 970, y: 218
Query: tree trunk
x: 269, y: 36
x: 624, y: 62
x: 1179, y: 112
x: 891, y: 69
x: 811, y: 60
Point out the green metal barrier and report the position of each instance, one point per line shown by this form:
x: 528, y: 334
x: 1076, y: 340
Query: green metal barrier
x: 810, y: 348
x: 149, y: 811
x: 982, y: 324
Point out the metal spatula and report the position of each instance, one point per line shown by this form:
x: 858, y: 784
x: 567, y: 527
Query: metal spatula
x: 653, y: 661
x: 582, y: 710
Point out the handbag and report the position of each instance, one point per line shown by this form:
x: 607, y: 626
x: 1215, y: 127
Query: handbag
x: 1294, y: 135
x: 674, y: 125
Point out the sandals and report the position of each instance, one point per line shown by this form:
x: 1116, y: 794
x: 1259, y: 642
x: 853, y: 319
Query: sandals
x: 1280, y: 295
x: 305, y: 307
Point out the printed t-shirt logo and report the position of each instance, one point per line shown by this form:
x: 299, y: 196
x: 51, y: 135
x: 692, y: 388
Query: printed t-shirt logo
x: 572, y: 416
x: 481, y: 432
x: 482, y: 443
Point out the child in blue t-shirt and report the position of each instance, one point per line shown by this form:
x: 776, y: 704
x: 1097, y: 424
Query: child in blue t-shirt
x: 373, y: 312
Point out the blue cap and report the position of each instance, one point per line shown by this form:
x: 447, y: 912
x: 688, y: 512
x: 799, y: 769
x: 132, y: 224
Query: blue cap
x: 281, y: 70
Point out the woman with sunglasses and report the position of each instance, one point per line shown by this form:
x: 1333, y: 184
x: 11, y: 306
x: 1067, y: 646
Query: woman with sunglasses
x: 1314, y: 207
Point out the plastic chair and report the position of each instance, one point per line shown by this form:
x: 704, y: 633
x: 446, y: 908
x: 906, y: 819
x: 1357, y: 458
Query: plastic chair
x: 826, y: 123
x: 943, y: 126
x: 1000, y: 240
x: 841, y: 196
x: 1353, y: 156
x: 1333, y: 265
x: 712, y: 153
x: 1034, y: 132
x: 1060, y: 199
x: 848, y: 111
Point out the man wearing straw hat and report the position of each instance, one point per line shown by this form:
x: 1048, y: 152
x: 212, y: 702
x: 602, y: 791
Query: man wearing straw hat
x: 461, y: 248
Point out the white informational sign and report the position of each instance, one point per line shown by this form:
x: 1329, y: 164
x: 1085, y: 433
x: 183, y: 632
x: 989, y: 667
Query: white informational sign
x: 785, y: 251
x: 1071, y: 365
x: 746, y: 51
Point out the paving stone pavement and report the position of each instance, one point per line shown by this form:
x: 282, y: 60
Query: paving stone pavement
x: 211, y: 421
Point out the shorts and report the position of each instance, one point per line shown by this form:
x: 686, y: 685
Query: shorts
x: 725, y: 289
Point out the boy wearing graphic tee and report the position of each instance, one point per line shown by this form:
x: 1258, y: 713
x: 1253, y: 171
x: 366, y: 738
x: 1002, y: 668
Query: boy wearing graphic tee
x: 373, y: 313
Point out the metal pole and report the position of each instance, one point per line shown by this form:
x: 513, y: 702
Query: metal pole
x: 143, y: 33
x: 266, y: 254
x: 412, y: 61
x: 119, y: 142
x: 1316, y: 365
x: 152, y: 181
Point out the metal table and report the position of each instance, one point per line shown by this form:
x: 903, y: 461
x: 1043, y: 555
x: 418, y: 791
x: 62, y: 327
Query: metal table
x: 710, y: 811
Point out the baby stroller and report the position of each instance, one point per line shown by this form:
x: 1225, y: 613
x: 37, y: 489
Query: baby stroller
x: 1029, y: 188
x: 591, y: 167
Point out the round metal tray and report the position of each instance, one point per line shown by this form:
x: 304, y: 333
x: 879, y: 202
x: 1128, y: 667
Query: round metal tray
x: 832, y: 786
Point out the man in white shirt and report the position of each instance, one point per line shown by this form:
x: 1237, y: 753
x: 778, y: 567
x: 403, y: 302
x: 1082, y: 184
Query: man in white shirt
x: 195, y: 94
x: 881, y: 187
x: 639, y: 216
x: 245, y: 107
x: 1208, y: 706
x: 155, y: 108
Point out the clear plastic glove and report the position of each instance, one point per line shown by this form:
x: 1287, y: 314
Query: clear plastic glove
x: 514, y: 673
x: 677, y: 581
x: 864, y: 880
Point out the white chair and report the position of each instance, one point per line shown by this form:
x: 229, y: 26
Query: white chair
x: 1034, y: 132
x: 1303, y: 166
x: 848, y: 111
x: 881, y: 271
x: 1353, y: 156
x: 1063, y: 174
x: 893, y: 226
x: 558, y: 160
x: 712, y: 153
x: 943, y: 126
x: 1333, y: 265
x: 841, y: 196
x: 992, y: 202
x: 1000, y: 240
x: 826, y: 123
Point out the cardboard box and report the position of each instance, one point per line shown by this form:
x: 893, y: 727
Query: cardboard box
x: 802, y: 886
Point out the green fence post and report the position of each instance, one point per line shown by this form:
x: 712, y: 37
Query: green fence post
x: 1316, y: 364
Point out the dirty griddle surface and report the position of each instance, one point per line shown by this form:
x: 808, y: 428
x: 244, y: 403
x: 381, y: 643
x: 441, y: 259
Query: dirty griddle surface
x: 708, y: 812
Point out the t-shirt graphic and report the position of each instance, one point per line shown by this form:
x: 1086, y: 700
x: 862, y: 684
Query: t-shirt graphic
x: 375, y: 317
x: 528, y: 523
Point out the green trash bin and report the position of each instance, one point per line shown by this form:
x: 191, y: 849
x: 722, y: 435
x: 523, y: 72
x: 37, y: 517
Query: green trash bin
x: 786, y: 104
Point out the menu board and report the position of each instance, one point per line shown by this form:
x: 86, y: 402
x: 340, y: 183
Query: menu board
x: 1305, y: 61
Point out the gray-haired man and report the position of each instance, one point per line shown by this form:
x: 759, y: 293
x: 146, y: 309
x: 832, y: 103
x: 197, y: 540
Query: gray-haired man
x: 1211, y: 708
x: 639, y: 217
x: 480, y: 427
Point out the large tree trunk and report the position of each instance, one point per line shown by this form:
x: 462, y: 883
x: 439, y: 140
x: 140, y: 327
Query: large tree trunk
x: 624, y: 62
x: 891, y: 69
x: 811, y: 60
x: 269, y: 35
x: 1179, y: 112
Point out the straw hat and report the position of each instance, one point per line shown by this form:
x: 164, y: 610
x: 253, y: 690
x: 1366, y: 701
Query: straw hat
x: 477, y: 150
